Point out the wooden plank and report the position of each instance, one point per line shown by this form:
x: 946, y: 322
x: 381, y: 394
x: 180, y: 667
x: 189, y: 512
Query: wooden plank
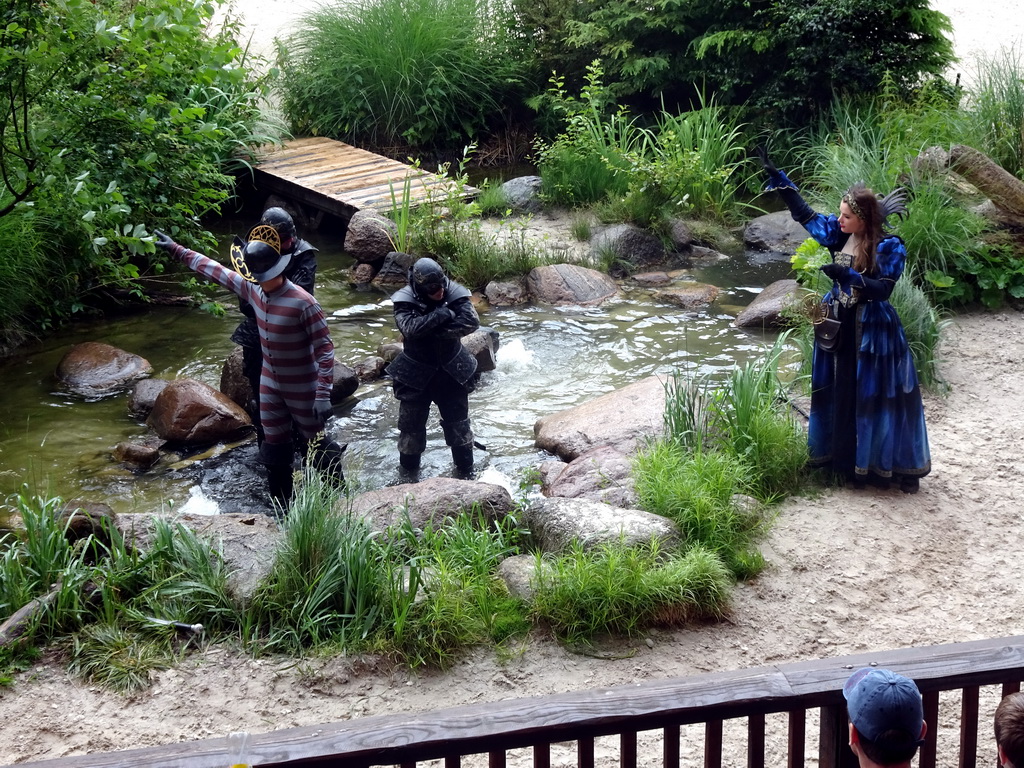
x: 796, y: 738
x: 627, y: 749
x: 928, y: 754
x: 755, y: 741
x: 340, y: 179
x: 969, y: 727
x: 671, y: 747
x: 713, y: 744
x: 582, y: 715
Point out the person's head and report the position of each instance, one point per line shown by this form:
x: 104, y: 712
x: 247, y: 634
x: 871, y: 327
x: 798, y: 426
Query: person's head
x: 860, y: 214
x: 427, y: 280
x: 1009, y: 725
x: 262, y: 257
x: 281, y: 220
x: 886, y: 716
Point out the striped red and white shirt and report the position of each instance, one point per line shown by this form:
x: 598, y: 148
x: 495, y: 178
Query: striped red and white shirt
x: 294, y: 337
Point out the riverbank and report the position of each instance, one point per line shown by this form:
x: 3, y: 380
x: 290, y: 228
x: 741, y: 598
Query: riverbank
x: 849, y: 571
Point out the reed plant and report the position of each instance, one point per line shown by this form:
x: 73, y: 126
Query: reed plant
x: 923, y: 325
x: 443, y: 594
x: 327, y: 580
x: 696, y: 157
x: 996, y: 107
x: 474, y: 258
x: 748, y: 418
x: 388, y: 73
x: 613, y: 588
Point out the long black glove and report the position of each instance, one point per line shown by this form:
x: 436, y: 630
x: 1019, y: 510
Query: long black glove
x: 848, y: 279
x: 779, y: 182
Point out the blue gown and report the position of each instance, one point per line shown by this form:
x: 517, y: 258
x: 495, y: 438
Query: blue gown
x: 866, y: 411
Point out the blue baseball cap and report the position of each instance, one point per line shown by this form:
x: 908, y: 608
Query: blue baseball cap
x: 879, y: 700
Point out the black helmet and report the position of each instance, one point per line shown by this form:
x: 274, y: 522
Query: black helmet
x: 263, y: 261
x: 425, y: 277
x: 280, y: 220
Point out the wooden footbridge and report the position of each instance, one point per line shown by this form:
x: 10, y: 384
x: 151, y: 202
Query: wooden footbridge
x: 333, y: 177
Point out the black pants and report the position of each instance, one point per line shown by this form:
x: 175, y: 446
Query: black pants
x: 452, y: 400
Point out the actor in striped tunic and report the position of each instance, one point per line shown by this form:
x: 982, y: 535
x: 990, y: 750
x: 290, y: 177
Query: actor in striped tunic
x: 298, y: 355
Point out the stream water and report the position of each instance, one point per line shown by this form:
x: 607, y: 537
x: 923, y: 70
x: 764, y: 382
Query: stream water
x: 550, y: 358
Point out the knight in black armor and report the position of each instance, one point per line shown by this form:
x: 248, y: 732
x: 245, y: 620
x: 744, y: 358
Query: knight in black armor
x: 301, y: 270
x: 433, y: 313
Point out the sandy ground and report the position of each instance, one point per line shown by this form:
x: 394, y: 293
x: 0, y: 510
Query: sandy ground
x: 850, y: 571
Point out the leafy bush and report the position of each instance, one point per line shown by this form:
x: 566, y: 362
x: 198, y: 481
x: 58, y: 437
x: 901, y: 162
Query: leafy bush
x: 119, y: 117
x: 782, y: 59
x: 387, y: 73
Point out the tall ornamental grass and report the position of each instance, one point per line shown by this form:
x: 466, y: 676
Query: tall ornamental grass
x: 614, y: 588
x: 996, y: 104
x: 389, y: 73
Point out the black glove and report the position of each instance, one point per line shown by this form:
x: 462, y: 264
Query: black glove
x: 163, y: 241
x: 766, y: 163
x: 323, y: 410
x: 835, y: 271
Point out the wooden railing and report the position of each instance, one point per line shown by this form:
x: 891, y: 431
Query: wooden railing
x: 524, y: 731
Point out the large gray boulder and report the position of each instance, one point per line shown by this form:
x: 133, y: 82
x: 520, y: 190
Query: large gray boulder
x: 601, y: 474
x: 394, y: 272
x: 506, y: 293
x: 628, y: 243
x: 775, y: 232
x: 432, y: 500
x: 190, y: 412
x: 234, y: 383
x: 245, y: 541
x: 556, y: 523
x: 767, y: 308
x: 368, y: 236
x: 523, y: 193
x: 569, y: 284
x: 619, y: 419
x: 94, y: 369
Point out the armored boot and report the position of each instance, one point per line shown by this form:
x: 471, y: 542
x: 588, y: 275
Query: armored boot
x: 277, y: 457
x: 412, y: 434
x: 410, y: 462
x: 326, y: 456
x: 462, y: 455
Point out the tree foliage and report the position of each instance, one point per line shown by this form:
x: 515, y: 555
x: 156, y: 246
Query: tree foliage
x: 786, y: 57
x: 116, y: 117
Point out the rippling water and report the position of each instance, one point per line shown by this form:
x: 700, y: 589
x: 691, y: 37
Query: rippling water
x: 549, y: 359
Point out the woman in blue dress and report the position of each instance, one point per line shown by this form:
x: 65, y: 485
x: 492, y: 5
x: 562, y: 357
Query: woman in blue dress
x: 867, y: 419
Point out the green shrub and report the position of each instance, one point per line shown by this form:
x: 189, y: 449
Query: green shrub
x: 614, y: 588
x: 589, y: 159
x: 120, y: 117
x: 327, y: 581
x: 387, y: 73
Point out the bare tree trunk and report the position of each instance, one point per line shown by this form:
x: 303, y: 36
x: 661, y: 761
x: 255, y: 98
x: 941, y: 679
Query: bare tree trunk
x: 1004, y: 189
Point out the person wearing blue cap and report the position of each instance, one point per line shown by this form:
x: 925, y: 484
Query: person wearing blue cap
x: 1009, y: 726
x: 886, y: 717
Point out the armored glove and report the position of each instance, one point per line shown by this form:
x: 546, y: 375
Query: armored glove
x: 323, y: 410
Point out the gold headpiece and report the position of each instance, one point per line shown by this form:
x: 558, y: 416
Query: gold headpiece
x: 849, y: 199
x: 263, y: 233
